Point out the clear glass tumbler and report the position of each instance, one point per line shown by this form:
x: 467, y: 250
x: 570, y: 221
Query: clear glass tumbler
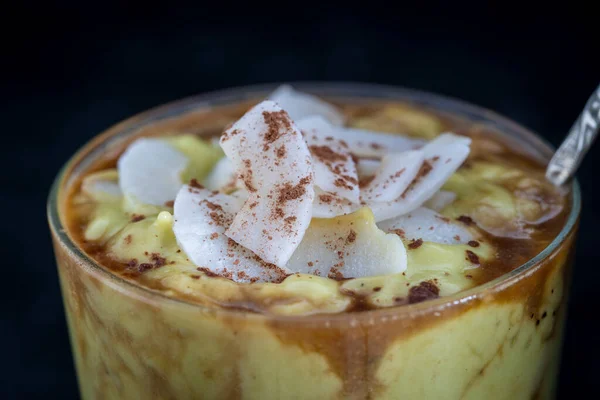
x: 501, y: 340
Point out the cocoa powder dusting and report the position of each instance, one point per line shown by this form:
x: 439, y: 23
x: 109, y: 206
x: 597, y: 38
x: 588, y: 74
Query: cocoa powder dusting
x: 137, y: 217
x: 326, y: 154
x: 423, y: 172
x: 278, y: 124
x: 351, y: 236
x: 290, y: 192
x: 326, y: 198
x: 280, y: 152
x: 415, y: 244
x: 465, y: 220
x: 195, y: 184
x: 472, y: 257
x: 426, y: 290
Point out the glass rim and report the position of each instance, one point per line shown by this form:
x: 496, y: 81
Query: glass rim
x: 345, y: 90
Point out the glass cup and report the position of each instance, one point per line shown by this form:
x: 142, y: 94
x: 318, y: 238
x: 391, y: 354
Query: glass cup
x: 501, y: 340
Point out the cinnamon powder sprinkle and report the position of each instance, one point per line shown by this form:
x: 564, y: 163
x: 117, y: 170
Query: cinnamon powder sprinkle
x: 214, y: 235
x: 473, y: 243
x: 207, y: 272
x: 289, y: 192
x: 127, y: 239
x: 415, y: 244
x: 278, y: 123
x: 195, y: 184
x: 423, y: 172
x: 472, y: 257
x: 326, y: 198
x: 325, y: 154
x: 158, y: 260
x: 145, y: 267
x: 424, y: 291
x: 351, y: 236
x: 366, y: 181
x: 310, y: 264
x: 465, y: 220
x: 137, y: 217
x: 280, y: 152
x: 398, y: 232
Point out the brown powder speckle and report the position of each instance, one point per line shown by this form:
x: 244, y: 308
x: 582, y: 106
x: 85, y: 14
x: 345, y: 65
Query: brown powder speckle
x: 472, y: 257
x: 207, y: 272
x: 278, y: 124
x: 195, y: 184
x: 158, y: 260
x: 214, y: 235
x: 292, y: 192
x: 415, y: 244
x: 170, y: 203
x: 127, y: 239
x: 465, y: 220
x: 326, y: 154
x: 145, y: 267
x: 137, y: 217
x: 326, y: 198
x: 351, y: 236
x: 280, y: 152
x: 423, y: 172
x: 424, y: 291
x: 473, y: 243
x: 398, y: 232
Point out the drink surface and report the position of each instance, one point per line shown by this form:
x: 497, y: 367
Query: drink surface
x: 501, y: 204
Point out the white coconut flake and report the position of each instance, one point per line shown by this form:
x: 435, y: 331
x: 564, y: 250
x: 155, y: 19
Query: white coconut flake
x: 273, y: 160
x: 300, y: 105
x: 222, y: 177
x: 348, y: 247
x: 150, y: 171
x: 367, y: 167
x: 429, y: 226
x: 443, y: 156
x: 200, y: 220
x: 335, y: 170
x: 102, y: 186
x: 365, y: 143
x: 440, y: 200
x: 396, y: 172
x: 328, y: 205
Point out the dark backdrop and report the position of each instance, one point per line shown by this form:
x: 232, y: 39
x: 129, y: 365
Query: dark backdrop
x: 72, y: 71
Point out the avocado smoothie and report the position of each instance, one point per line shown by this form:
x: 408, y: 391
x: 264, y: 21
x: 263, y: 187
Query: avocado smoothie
x: 370, y: 243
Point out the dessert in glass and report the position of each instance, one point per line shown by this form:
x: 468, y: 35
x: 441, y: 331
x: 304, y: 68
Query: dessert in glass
x: 314, y: 241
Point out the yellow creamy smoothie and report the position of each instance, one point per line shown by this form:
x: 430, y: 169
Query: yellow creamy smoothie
x: 294, y: 246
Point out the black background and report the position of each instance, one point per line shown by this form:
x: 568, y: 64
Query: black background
x: 72, y: 71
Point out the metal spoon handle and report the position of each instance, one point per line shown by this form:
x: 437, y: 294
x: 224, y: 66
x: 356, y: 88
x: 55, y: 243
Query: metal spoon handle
x: 569, y: 155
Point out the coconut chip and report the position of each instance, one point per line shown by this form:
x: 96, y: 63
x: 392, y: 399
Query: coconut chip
x: 273, y: 160
x: 300, y: 105
x: 396, y: 172
x: 335, y: 170
x: 351, y: 246
x: 429, y: 226
x: 150, y: 171
x: 440, y: 200
x: 443, y: 156
x: 200, y: 220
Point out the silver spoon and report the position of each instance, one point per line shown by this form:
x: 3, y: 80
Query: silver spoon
x: 569, y: 155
